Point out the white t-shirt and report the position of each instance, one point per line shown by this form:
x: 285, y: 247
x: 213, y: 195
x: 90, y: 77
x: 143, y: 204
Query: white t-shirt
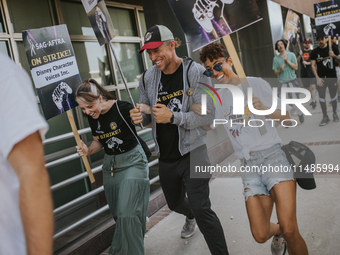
x: 243, y: 137
x: 20, y: 117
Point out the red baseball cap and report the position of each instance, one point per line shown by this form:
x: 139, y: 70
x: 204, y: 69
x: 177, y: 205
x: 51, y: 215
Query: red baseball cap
x: 155, y: 36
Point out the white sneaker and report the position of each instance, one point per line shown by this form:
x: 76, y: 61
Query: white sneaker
x: 278, y: 246
x: 188, y: 228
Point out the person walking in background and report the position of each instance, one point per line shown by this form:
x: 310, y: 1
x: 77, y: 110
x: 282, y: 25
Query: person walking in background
x: 307, y: 75
x: 325, y: 74
x: 125, y: 167
x: 26, y: 211
x: 284, y: 66
x: 170, y: 88
x: 335, y: 42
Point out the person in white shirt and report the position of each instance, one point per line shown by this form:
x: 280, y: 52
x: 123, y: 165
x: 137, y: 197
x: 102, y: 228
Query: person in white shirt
x: 26, y: 211
x: 260, y: 152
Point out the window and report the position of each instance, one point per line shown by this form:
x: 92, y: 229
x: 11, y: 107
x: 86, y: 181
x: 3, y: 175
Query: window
x: 2, y: 29
x: 123, y: 21
x: 130, y: 61
x: 92, y: 62
x: 29, y: 14
x: 4, y: 48
x: 76, y: 19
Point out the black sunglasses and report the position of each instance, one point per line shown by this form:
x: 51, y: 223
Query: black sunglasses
x: 217, y: 67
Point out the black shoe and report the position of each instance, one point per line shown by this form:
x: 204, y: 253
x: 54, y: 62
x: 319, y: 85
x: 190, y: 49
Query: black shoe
x: 335, y: 117
x: 301, y: 118
x: 313, y: 105
x: 324, y: 121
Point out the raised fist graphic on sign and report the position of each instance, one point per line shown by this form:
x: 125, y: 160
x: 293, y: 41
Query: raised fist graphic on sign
x: 329, y: 27
x: 60, y: 94
x: 101, y: 22
x: 204, y: 13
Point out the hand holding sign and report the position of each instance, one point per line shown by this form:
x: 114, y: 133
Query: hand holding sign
x: 203, y: 11
x: 55, y: 73
x: 204, y: 21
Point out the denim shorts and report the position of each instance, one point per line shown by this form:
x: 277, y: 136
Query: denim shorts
x: 264, y: 170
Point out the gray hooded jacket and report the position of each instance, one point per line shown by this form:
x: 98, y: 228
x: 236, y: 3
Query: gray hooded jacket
x: 191, y: 133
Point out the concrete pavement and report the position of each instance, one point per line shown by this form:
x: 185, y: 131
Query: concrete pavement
x: 317, y: 210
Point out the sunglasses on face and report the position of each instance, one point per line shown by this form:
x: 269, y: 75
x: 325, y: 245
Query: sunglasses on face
x: 217, y: 67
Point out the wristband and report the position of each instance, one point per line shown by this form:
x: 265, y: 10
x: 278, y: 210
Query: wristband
x: 172, y: 119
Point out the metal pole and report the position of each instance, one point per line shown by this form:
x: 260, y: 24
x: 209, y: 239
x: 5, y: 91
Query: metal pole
x: 123, y: 77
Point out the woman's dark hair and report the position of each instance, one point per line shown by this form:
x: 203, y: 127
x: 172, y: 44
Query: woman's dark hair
x: 213, y: 51
x: 90, y: 91
x: 284, y: 43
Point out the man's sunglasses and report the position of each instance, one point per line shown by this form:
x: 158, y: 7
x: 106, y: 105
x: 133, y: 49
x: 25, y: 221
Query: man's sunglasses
x: 217, y: 67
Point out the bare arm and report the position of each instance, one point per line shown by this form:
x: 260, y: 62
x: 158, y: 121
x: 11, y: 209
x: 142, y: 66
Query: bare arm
x: 93, y: 148
x: 27, y: 160
x: 313, y: 64
x: 319, y: 81
x: 292, y: 65
x: 275, y: 115
x: 277, y: 71
x: 336, y: 58
x: 299, y: 57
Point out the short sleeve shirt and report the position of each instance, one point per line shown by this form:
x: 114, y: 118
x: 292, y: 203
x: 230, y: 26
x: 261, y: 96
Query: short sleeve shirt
x: 323, y: 61
x: 240, y: 127
x: 306, y: 70
x: 20, y: 117
x: 113, y: 131
x: 170, y: 93
x: 288, y: 73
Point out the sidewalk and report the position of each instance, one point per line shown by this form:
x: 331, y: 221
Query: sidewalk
x: 317, y: 210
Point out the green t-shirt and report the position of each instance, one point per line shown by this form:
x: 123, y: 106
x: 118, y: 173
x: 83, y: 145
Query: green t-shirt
x: 288, y: 73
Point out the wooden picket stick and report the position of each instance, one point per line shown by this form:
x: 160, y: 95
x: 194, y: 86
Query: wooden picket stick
x: 76, y: 136
x: 240, y: 71
x: 233, y: 54
x: 330, y: 49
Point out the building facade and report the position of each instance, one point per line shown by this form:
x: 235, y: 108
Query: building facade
x: 80, y: 205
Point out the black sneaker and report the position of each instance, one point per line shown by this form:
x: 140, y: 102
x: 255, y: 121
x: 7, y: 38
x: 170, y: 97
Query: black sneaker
x: 313, y: 105
x: 324, y: 121
x: 301, y: 118
x: 335, y: 117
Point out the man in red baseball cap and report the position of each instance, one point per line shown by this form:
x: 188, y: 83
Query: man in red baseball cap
x: 155, y: 36
x: 170, y: 87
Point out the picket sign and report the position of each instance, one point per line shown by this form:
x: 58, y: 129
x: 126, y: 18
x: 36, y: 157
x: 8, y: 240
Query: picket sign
x: 76, y: 136
x: 240, y: 72
x: 47, y: 48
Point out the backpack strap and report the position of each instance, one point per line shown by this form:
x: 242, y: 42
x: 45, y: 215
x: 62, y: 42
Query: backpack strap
x: 121, y: 115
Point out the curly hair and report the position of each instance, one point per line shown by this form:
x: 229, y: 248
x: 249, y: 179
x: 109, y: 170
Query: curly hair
x: 213, y: 51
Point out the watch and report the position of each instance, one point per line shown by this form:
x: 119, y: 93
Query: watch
x: 172, y: 119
